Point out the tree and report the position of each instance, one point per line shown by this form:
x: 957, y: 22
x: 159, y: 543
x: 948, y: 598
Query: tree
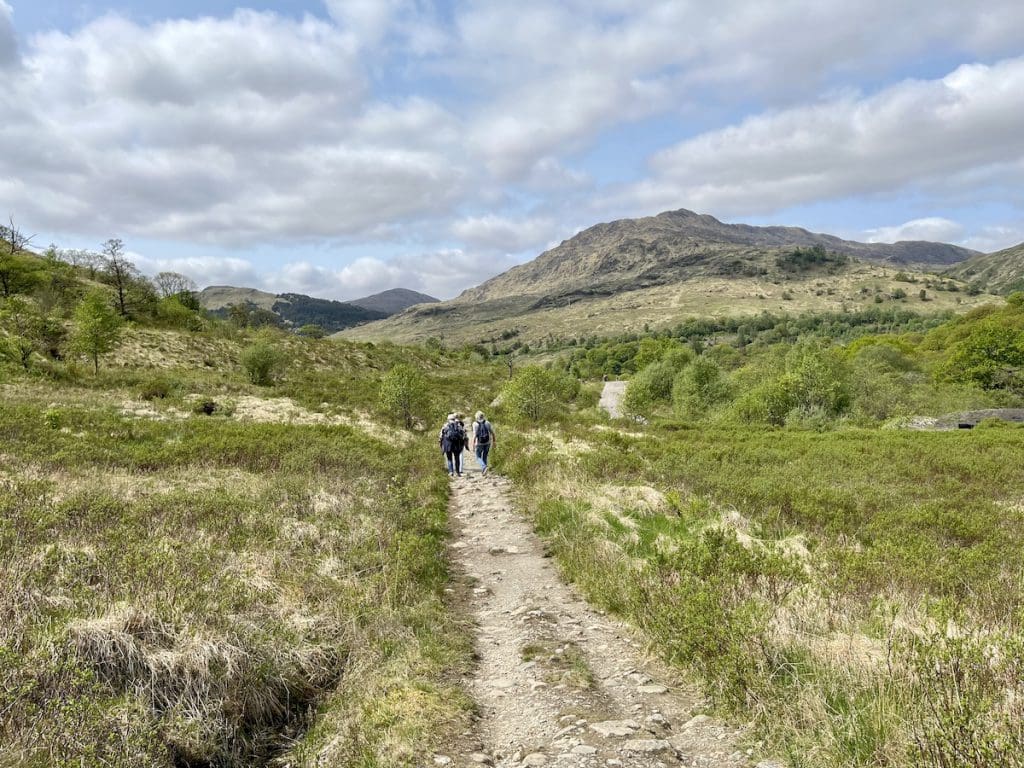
x: 120, y: 272
x: 173, y: 283
x: 97, y: 327
x: 533, y: 394
x: 403, y: 395
x: 16, y: 272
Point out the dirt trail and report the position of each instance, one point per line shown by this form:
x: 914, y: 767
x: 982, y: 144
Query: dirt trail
x: 559, y: 684
x: 611, y: 397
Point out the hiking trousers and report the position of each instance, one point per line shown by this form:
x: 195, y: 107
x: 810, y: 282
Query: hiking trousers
x: 481, y: 454
x: 454, y: 461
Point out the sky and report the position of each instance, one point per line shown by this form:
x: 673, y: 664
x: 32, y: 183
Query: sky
x: 342, y: 147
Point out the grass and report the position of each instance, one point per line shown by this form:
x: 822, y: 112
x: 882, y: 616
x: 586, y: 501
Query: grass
x: 245, y: 588
x: 855, y: 592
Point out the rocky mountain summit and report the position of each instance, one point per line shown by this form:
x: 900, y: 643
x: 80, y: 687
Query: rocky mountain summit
x: 675, y: 245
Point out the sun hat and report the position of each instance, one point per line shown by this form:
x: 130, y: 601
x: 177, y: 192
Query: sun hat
x: 479, y: 415
x: 451, y: 417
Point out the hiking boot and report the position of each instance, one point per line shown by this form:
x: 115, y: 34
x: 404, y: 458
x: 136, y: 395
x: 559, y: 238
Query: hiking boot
x: 484, y: 472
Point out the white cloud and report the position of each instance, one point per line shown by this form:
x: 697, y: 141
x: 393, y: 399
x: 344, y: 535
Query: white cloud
x: 228, y: 130
x: 994, y: 238
x: 389, y: 119
x: 504, y: 235
x: 8, y: 37
x: 205, y: 270
x: 916, y: 133
x: 442, y: 273
x: 934, y: 229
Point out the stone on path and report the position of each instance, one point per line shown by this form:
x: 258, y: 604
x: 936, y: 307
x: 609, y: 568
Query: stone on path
x: 535, y: 759
x: 653, y: 689
x: 610, y: 728
x: 646, y: 746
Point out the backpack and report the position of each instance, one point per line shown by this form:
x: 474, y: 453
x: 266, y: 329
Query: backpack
x: 453, y: 436
x: 483, y: 432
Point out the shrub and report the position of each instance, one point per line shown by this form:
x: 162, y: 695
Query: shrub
x: 535, y: 394
x: 262, y: 362
x: 159, y: 388
x: 649, y: 388
x: 403, y: 395
x: 699, y: 387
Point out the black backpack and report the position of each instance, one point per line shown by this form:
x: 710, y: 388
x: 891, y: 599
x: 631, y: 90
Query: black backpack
x: 454, y: 436
x: 483, y: 432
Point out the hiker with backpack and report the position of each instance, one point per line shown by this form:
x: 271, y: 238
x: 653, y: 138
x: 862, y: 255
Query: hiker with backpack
x: 452, y: 441
x: 483, y: 439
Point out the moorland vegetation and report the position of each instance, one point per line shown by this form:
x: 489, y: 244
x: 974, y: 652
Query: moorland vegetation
x: 223, y: 544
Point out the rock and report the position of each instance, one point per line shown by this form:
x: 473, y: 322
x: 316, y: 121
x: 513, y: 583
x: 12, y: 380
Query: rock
x: 535, y: 759
x: 584, y: 749
x: 538, y: 685
x: 502, y: 683
x: 646, y: 746
x: 769, y: 764
x: 658, y: 719
x: 609, y: 728
x: 481, y: 758
x: 442, y: 760
x: 481, y: 591
x: 653, y: 689
x: 695, y: 721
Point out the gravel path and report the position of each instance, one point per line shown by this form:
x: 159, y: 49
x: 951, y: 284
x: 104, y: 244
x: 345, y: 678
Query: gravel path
x: 557, y: 683
x: 611, y: 396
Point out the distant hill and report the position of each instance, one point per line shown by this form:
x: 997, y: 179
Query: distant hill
x: 999, y: 272
x: 624, y: 275
x: 393, y: 301
x: 294, y: 309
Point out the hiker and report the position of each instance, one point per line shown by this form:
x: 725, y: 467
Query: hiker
x: 483, y: 439
x: 465, y: 443
x: 452, y: 441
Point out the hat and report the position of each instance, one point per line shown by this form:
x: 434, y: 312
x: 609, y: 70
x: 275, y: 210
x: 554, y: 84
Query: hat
x: 479, y: 415
x: 451, y: 417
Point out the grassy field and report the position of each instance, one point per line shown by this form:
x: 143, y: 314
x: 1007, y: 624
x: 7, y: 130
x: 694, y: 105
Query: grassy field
x: 857, y: 592
x: 261, y: 584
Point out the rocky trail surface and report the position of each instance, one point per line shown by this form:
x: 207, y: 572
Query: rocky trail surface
x: 557, y: 683
x: 611, y: 397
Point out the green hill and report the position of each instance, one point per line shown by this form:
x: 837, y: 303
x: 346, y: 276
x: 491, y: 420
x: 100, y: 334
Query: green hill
x: 999, y: 272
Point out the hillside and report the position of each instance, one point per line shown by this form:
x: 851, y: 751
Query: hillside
x: 676, y: 245
x: 296, y: 309
x: 999, y: 272
x: 393, y: 301
x: 653, y: 272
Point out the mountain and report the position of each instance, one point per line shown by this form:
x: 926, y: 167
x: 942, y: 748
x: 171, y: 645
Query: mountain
x: 999, y: 272
x: 393, y: 301
x: 663, y: 249
x: 294, y: 309
x: 652, y: 272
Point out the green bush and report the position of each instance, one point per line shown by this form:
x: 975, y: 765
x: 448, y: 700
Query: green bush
x: 699, y: 387
x: 403, y: 396
x: 536, y: 394
x: 263, y: 362
x: 159, y: 388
